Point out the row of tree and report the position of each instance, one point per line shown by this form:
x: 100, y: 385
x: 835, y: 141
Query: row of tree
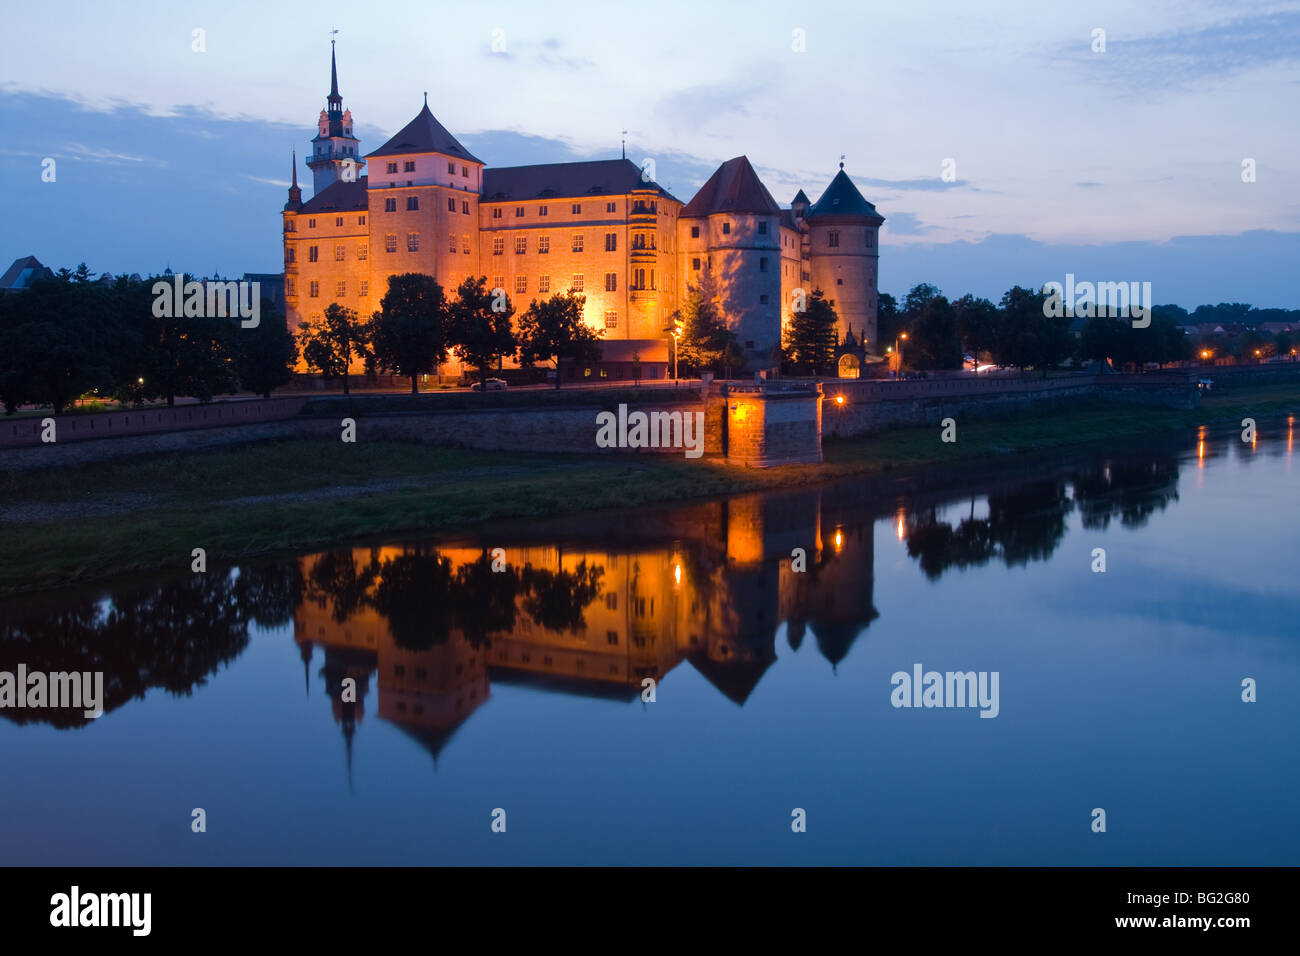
x: 71, y: 336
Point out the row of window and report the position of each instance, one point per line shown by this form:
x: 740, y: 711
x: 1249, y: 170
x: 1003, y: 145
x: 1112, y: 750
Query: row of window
x: 577, y: 243
x: 291, y: 225
x: 408, y: 166
x: 498, y: 212
x: 726, y: 230
x: 340, y: 253
x: 313, y: 288
x: 833, y: 238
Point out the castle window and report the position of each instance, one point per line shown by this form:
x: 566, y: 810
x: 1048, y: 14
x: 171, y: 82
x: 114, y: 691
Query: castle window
x: 311, y: 223
x: 390, y: 242
x: 577, y: 243
x: 498, y: 245
x: 339, y: 253
x: 499, y: 282
x: 521, y: 284
x: 451, y: 204
x: 611, y: 242
x: 695, y: 264
x: 291, y: 254
x: 341, y: 288
x: 392, y: 167
x: 611, y: 281
x: 399, y: 670
x: 519, y: 212
x: 611, y: 322
x: 762, y: 264
x: 464, y: 206
x: 695, y: 232
x: 611, y: 601
x: 363, y: 252
x: 577, y: 283
x: 464, y: 243
x: 390, y: 204
x: 611, y: 207
x: 833, y: 238
x: 364, y: 288
x: 464, y: 171
x: 313, y: 289
x: 312, y: 253
x: 762, y: 229
x: 839, y: 282
x: 412, y: 242
x: 451, y: 169
x: 542, y: 210
x: 762, y: 299
x: 338, y: 220
x: 577, y: 209
x: 611, y: 637
x: 726, y: 228
x: 412, y: 203
x: 638, y: 278
x: 451, y: 242
x: 543, y: 244
x: 496, y: 212
x: 290, y: 287
x: 543, y: 283
x: 652, y: 278
x: 290, y: 225
x: 521, y: 245
x: 361, y: 220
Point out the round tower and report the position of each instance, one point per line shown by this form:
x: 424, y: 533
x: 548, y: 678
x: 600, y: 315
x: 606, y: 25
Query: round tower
x: 844, y: 232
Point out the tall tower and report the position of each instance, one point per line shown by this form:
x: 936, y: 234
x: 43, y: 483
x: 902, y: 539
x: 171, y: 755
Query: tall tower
x: 844, y: 234
x: 334, y: 150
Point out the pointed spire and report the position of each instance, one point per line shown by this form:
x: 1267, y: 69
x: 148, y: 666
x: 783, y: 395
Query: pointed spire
x: 334, y: 75
x: 295, y: 168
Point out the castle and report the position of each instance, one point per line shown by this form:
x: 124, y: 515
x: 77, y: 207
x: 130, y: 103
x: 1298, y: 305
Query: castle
x: 601, y: 228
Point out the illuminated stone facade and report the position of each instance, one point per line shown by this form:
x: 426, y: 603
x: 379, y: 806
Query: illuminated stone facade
x: 425, y: 204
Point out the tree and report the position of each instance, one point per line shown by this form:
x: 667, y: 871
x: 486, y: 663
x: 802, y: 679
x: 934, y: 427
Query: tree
x: 915, y: 300
x: 977, y: 324
x: 409, y: 332
x: 934, y: 343
x: 478, y: 326
x: 553, y: 329
x: 56, y: 342
x: 811, y: 337
x: 329, y: 345
x: 705, y: 341
x: 265, y: 354
x: 1027, y: 336
x: 1102, y: 338
x: 887, y: 320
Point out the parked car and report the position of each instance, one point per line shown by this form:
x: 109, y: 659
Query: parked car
x: 493, y: 385
x: 1205, y: 384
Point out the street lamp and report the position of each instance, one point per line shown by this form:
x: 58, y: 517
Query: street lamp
x: 677, y: 331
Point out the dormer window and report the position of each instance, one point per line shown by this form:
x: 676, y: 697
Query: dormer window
x: 726, y: 228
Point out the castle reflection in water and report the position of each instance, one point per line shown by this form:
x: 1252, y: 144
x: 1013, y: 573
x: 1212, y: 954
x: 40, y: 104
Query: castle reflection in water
x: 709, y: 586
x: 590, y: 605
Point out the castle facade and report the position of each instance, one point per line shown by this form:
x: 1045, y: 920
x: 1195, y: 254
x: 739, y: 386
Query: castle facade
x: 422, y: 202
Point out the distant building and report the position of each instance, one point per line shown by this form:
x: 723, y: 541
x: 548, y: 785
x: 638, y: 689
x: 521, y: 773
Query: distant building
x: 600, y: 228
x: 22, y: 274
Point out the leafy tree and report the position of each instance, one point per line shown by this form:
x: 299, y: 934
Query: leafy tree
x: 977, y: 324
x: 554, y: 329
x: 705, y: 341
x: 887, y: 320
x: 1102, y: 338
x: 409, y: 332
x: 265, y: 354
x: 811, y: 337
x: 915, y: 300
x: 934, y: 343
x: 1028, y: 336
x: 478, y: 326
x: 329, y: 346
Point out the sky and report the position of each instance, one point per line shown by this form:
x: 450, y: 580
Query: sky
x: 1115, y: 164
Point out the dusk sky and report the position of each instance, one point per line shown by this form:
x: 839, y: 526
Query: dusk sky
x: 1117, y: 165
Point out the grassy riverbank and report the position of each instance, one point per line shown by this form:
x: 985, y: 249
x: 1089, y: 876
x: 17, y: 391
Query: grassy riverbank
x: 81, y: 523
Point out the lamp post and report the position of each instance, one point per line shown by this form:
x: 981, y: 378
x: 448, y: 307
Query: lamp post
x: 677, y: 331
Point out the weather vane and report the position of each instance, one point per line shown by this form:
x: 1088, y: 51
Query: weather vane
x: 623, y: 143
x: 841, y: 160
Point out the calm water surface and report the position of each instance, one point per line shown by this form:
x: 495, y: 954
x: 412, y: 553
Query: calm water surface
x: 522, y: 689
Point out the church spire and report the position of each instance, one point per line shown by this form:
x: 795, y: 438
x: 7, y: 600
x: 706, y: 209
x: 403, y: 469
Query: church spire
x: 295, y: 192
x: 335, y: 99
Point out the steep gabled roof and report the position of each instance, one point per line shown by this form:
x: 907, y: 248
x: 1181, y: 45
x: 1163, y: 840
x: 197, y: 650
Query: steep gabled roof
x: 424, y: 134
x: 800, y: 197
x: 842, y: 198
x: 733, y: 187
x: 601, y: 177
x: 23, y: 273
x: 339, y: 196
